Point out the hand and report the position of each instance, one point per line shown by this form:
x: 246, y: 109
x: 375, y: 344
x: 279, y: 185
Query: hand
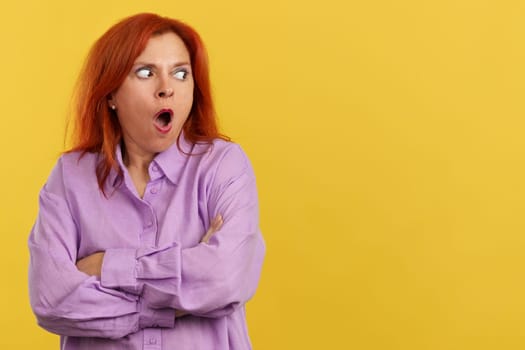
x: 180, y: 313
x: 91, y: 264
x: 215, y: 225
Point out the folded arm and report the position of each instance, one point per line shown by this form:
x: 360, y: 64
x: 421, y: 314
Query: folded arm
x: 208, y: 280
x: 67, y: 301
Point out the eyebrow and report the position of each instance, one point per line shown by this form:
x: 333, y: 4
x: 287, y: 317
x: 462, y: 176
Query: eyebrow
x: 178, y: 64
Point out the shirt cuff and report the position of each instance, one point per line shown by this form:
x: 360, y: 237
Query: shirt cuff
x: 155, y: 318
x: 119, y: 270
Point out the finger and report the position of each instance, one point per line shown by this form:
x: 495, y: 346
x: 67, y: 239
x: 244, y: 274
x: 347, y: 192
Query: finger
x: 215, y: 225
x: 180, y: 313
x: 208, y: 235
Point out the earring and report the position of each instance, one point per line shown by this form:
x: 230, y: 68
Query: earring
x: 113, y: 107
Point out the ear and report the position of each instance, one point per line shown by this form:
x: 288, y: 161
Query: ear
x: 111, y: 103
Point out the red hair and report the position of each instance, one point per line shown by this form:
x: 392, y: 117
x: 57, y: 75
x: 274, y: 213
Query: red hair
x: 96, y: 127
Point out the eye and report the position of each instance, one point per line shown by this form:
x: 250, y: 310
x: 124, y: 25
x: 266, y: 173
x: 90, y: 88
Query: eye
x: 143, y: 72
x: 181, y: 74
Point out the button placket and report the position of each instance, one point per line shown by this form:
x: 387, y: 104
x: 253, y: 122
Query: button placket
x: 153, y: 188
x: 152, y: 339
x: 149, y: 231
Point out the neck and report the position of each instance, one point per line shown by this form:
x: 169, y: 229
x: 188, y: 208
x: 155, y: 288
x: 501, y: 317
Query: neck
x: 137, y: 164
x: 136, y: 159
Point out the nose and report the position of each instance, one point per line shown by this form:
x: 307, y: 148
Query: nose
x: 165, y: 92
x: 164, y: 89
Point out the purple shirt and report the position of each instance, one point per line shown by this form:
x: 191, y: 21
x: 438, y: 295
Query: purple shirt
x: 153, y: 263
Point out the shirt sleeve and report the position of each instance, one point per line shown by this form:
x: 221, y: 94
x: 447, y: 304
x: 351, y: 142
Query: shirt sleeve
x: 67, y: 301
x: 210, y: 279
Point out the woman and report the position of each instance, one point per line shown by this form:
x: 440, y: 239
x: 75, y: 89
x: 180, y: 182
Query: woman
x: 147, y: 235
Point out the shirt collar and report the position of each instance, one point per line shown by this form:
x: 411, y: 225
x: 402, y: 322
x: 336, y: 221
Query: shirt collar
x: 171, y: 161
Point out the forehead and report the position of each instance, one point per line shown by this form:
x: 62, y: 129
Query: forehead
x: 165, y: 46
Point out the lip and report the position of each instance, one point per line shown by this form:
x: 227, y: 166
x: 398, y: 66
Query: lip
x: 163, y: 129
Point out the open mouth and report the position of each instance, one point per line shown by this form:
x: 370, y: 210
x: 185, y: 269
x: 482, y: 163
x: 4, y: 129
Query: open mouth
x: 163, y: 120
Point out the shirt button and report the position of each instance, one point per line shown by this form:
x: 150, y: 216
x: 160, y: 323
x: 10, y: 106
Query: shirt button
x: 155, y: 168
x: 152, y: 341
x: 154, y: 190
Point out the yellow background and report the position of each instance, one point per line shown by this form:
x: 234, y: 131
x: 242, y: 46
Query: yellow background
x: 388, y: 140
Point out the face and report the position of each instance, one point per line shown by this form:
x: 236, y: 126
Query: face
x: 156, y: 97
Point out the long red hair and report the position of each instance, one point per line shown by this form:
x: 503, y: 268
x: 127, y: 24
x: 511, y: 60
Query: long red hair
x: 96, y: 127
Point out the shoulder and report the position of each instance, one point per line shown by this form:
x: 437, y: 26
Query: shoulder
x: 78, y: 161
x: 225, y: 156
x: 72, y: 169
x: 222, y: 162
x: 226, y: 153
